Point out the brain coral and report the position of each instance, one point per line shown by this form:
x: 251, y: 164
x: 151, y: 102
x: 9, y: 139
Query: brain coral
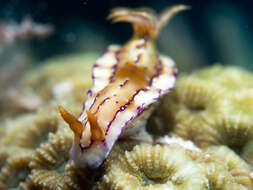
x: 153, y: 167
x: 22, y: 137
x: 30, y: 130
x: 52, y: 168
x: 247, y: 153
x: 205, y: 109
x: 225, y: 170
x: 37, y: 87
x: 14, y: 174
x: 68, y: 77
x: 212, y: 106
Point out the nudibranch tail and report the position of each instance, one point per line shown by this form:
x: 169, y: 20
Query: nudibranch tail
x: 144, y: 20
x: 97, y: 132
x: 75, y: 125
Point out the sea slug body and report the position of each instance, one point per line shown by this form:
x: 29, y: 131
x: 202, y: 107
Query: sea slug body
x: 127, y: 82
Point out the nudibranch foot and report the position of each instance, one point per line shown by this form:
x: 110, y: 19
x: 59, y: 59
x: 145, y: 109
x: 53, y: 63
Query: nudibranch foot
x: 128, y: 81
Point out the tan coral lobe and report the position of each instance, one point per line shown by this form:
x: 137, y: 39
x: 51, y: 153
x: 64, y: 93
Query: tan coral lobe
x: 153, y: 167
x: 15, y: 172
x: 209, y: 109
x: 51, y: 167
x: 247, y: 153
x: 25, y: 133
x: 61, y: 77
x: 225, y: 170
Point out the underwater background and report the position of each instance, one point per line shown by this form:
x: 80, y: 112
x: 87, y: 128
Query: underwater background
x: 212, y: 31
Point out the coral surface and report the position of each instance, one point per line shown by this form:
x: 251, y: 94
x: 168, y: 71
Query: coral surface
x: 226, y: 170
x: 247, y: 153
x: 30, y: 138
x: 54, y: 80
x: 212, y: 106
x: 71, y: 77
x: 153, y: 167
x: 51, y: 166
x: 14, y: 174
x: 202, y: 111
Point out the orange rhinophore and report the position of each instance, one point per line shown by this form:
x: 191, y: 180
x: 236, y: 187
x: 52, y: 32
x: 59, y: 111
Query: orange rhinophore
x: 75, y: 125
x: 97, y: 132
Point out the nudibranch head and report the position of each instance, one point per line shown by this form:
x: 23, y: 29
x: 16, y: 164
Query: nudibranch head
x: 127, y: 82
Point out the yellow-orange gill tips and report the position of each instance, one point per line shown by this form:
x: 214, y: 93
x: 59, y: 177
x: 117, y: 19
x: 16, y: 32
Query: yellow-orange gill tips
x: 97, y: 132
x: 169, y: 13
x: 145, y: 20
x: 75, y: 125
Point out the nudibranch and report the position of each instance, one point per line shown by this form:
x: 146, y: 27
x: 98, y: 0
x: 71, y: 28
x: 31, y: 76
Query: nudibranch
x: 127, y: 82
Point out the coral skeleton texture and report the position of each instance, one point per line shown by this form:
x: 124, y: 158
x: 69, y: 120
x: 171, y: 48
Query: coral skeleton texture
x: 34, y: 152
x: 25, y: 135
x: 226, y: 170
x: 14, y: 174
x: 206, y: 108
x: 52, y: 168
x: 69, y: 77
x: 247, y: 153
x: 153, y: 167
